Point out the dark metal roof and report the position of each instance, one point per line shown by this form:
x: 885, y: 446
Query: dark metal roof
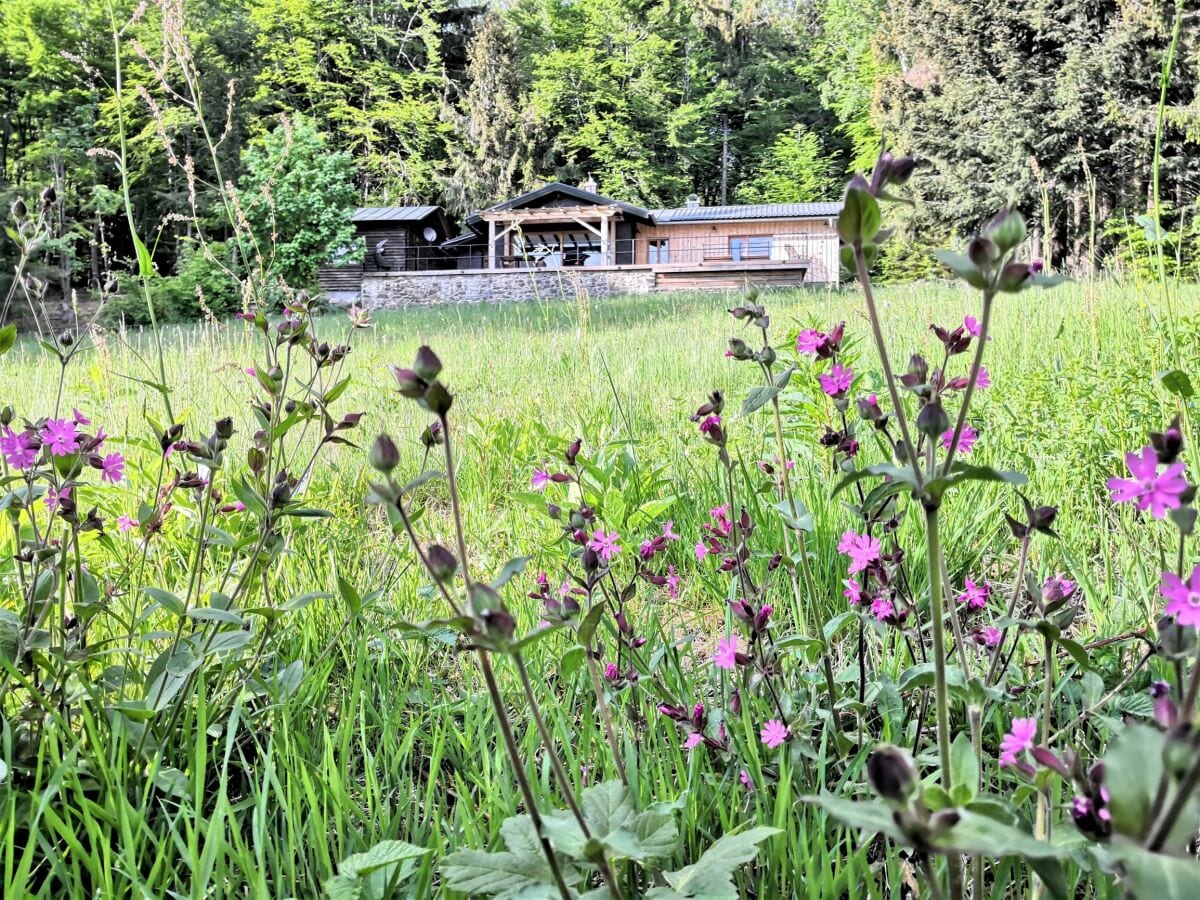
x: 585, y: 198
x: 749, y: 211
x: 393, y: 213
x: 467, y: 238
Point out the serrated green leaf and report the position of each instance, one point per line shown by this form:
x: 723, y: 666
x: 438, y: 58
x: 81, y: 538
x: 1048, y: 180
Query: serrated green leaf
x: 711, y: 876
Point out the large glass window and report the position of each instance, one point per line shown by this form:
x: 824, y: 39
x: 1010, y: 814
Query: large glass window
x: 660, y: 252
x: 756, y: 247
x: 554, y: 249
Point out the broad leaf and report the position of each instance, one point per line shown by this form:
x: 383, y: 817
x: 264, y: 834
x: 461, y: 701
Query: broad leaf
x: 758, y: 397
x: 711, y: 876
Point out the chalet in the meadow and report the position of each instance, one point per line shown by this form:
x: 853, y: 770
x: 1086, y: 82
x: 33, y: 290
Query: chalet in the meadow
x: 578, y: 236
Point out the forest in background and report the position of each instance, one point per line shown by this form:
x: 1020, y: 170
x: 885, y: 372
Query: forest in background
x: 322, y: 105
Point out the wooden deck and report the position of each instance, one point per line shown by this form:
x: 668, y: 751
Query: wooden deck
x: 722, y: 275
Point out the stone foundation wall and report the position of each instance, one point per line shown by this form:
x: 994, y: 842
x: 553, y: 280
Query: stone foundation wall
x: 396, y: 290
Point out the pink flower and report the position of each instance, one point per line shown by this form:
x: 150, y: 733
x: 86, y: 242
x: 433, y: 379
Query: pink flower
x: 60, y: 435
x: 971, y: 324
x: 883, y: 609
x: 53, y: 496
x: 726, y: 655
x: 1019, y: 739
x: 1183, y: 599
x: 668, y: 530
x: 746, y: 780
x: 966, y: 440
x: 80, y: 418
x: 18, y: 448
x: 837, y: 381
x: 853, y: 592
x: 605, y: 545
x: 983, y: 380
x: 611, y: 672
x: 809, y: 341
x: 112, y: 468
x: 694, y: 740
x: 672, y: 583
x: 773, y: 734
x: 1153, y: 491
x: 709, y: 423
x: 540, y: 479
x: 975, y: 595
x: 251, y: 371
x: 861, y: 548
x: 126, y: 523
x: 701, y: 551
x: 990, y: 635
x: 1057, y: 588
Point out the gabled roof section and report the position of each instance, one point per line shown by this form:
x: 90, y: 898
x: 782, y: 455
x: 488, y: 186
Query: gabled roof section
x: 393, y: 213
x: 580, y: 196
x: 749, y: 211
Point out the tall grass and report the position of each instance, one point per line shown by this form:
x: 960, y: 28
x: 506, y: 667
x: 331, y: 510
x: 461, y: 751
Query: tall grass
x: 390, y: 737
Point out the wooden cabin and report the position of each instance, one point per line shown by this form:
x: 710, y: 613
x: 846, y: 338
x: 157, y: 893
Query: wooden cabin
x: 565, y: 227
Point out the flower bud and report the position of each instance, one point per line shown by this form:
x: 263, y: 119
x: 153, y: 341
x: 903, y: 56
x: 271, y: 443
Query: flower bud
x: 442, y: 563
x: 224, y: 428
x: 573, y: 451
x: 735, y: 702
x: 739, y: 349
x: 427, y: 365
x: 49, y: 196
x: 18, y: 209
x: 1168, y: 444
x: 437, y: 399
x: 1007, y: 229
x: 383, y: 455
x: 932, y: 420
x: 891, y: 773
x: 983, y: 252
x: 1014, y: 277
x: 411, y: 384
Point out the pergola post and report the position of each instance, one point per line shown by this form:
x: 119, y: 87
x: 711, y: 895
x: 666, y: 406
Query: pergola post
x: 604, y: 260
x: 491, y: 257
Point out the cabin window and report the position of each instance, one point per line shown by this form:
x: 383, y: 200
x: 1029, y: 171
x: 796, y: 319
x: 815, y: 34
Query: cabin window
x: 757, y: 247
x: 660, y: 252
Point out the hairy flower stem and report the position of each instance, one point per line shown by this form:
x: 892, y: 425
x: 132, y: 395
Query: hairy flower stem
x: 941, y: 695
x: 1042, y: 831
x: 989, y: 294
x: 910, y: 451
x: 1018, y: 584
x: 514, y: 758
x: 606, y: 715
x: 560, y: 775
x: 1166, y: 822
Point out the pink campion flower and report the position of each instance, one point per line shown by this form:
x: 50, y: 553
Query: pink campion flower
x: 126, y: 523
x: 861, y: 548
x: 18, y: 448
x: 60, y: 435
x: 694, y: 740
x: 853, y: 592
x: 983, y: 380
x: 809, y: 341
x: 773, y: 734
x: 709, y: 423
x: 540, y: 479
x: 251, y: 371
x: 647, y: 550
x: 1152, y: 490
x: 726, y: 655
x: 837, y: 381
x: 604, y: 544
x: 1057, y: 588
x: 701, y: 551
x: 1019, y: 739
x: 672, y: 583
x: 966, y: 440
x: 1183, y: 598
x: 971, y: 324
x: 668, y: 530
x: 80, y: 418
x: 882, y: 608
x: 975, y: 595
x: 53, y: 496
x: 990, y: 635
x: 746, y: 780
x: 112, y: 468
x: 611, y: 672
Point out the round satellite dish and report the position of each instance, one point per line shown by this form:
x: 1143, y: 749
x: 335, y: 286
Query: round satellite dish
x: 430, y: 234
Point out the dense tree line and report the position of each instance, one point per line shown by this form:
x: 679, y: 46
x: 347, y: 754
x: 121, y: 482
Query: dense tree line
x: 1053, y: 104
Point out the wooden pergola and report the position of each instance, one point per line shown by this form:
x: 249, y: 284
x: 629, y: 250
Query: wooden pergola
x: 596, y: 219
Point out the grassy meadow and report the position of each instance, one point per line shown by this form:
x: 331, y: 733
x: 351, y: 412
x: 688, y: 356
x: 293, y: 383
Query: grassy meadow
x: 384, y: 735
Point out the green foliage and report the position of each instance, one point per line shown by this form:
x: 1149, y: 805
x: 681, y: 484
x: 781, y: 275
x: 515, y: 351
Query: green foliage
x: 297, y: 197
x: 794, y: 170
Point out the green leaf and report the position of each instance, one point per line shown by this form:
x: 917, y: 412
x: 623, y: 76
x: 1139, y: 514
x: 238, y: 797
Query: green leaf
x: 587, y: 628
x: 782, y: 379
x: 964, y: 765
x: 1076, y: 652
x: 511, y: 569
x: 383, y: 855
x: 837, y: 623
x: 802, y: 520
x: 961, y: 266
x: 10, y: 635
x: 1132, y: 769
x: 656, y: 832
x: 871, y: 816
x: 1177, y: 382
x: 8, y: 338
x: 859, y: 219
x: 166, y: 600
x: 981, y: 835
x: 1154, y: 875
x: 349, y: 595
x: 758, y: 397
x: 711, y: 876
x: 520, y: 871
x: 903, y: 474
x: 212, y: 614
